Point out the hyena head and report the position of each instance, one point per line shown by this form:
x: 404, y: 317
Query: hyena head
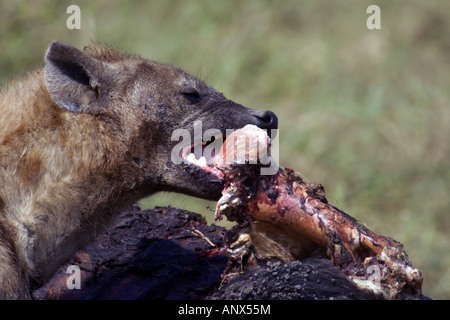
x: 145, y: 104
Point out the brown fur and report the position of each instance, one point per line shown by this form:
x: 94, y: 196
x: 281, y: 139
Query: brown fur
x: 87, y: 136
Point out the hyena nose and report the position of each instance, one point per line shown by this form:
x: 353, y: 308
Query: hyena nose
x: 265, y: 119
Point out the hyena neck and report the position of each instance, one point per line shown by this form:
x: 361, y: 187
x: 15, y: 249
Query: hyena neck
x: 66, y: 183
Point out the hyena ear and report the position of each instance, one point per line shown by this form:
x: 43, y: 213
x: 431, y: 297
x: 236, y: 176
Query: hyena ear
x: 74, y: 80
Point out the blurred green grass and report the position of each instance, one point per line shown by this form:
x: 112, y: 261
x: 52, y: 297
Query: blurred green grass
x: 364, y: 112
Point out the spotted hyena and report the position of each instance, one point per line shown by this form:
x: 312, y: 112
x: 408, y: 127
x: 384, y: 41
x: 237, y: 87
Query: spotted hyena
x: 86, y: 136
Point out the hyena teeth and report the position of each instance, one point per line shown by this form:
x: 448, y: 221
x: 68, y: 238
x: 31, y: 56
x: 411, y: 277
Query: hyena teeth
x: 202, y: 162
x: 191, y: 158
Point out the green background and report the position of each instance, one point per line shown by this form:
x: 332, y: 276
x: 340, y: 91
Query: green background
x: 364, y: 112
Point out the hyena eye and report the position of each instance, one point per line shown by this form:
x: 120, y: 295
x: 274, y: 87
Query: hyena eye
x: 191, y: 94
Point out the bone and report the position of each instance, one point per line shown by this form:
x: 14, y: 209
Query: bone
x: 244, y: 146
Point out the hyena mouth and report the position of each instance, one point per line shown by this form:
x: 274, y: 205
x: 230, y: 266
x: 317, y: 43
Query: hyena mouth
x: 246, y: 146
x: 203, y: 155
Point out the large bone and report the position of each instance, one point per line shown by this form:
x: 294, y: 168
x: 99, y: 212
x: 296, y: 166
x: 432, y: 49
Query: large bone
x: 291, y: 219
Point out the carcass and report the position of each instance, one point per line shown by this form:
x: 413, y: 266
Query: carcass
x: 281, y: 216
